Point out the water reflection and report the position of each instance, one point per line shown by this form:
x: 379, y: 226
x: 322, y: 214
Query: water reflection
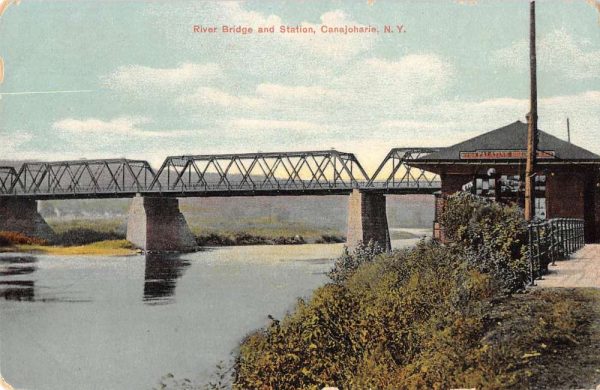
x: 161, y: 274
x: 15, y: 266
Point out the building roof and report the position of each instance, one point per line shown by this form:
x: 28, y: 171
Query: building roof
x: 513, y: 137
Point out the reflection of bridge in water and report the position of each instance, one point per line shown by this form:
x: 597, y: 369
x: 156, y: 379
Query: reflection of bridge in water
x: 17, y: 279
x: 12, y: 270
x: 160, y: 277
x: 155, y: 222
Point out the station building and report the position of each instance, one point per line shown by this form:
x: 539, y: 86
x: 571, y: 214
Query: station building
x: 492, y: 165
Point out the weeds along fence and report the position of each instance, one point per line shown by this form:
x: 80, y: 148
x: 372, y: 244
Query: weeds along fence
x: 552, y: 240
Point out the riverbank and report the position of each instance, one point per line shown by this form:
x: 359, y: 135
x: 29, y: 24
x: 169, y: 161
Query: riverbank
x: 83, y: 238
x: 244, y: 239
x: 101, y: 248
x: 435, y: 316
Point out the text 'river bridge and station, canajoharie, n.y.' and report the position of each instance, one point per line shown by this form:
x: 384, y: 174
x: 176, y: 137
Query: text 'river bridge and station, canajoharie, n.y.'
x: 490, y: 165
x: 287, y: 29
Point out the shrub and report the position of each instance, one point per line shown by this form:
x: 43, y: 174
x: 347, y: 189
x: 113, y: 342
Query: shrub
x: 214, y: 239
x: 415, y: 318
x: 330, y: 239
x: 369, y: 330
x: 84, y: 236
x: 492, y: 236
x: 348, y: 262
x: 8, y: 238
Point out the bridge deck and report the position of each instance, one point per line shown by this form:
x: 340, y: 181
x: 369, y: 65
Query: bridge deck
x: 225, y: 192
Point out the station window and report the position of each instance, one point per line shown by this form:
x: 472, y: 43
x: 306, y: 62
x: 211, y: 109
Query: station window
x: 540, y: 208
x: 511, y: 190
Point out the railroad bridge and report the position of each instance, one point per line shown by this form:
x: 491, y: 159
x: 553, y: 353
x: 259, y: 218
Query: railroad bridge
x: 489, y: 165
x: 155, y: 222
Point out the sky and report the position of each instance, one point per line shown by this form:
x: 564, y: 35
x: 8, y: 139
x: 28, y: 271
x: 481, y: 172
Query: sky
x: 103, y: 79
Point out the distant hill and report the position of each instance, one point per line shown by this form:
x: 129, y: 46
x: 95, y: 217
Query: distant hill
x: 316, y: 212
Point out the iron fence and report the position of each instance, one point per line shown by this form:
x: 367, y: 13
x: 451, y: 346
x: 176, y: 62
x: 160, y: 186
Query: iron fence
x: 552, y: 240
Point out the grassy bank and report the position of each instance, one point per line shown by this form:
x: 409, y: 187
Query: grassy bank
x: 432, y: 317
x: 244, y: 238
x: 18, y: 242
x: 103, y: 225
x: 268, y: 231
x: 255, y: 231
x: 402, y: 235
x: 247, y: 232
x: 368, y: 333
x: 102, y: 248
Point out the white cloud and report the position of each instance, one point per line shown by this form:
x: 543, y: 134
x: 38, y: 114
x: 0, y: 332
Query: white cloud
x: 269, y: 124
x: 124, y: 126
x: 288, y: 92
x: 412, y: 125
x: 370, y: 86
x: 11, y: 142
x: 332, y: 46
x: 376, y: 89
x: 233, y: 13
x: 143, y: 79
x: 92, y: 125
x: 441, y: 124
x: 480, y: 116
x: 411, y: 75
x: 218, y: 97
x: 583, y: 111
x: 557, y: 52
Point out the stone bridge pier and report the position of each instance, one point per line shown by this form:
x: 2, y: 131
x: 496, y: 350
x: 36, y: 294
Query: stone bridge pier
x: 157, y: 224
x: 367, y: 219
x: 22, y: 216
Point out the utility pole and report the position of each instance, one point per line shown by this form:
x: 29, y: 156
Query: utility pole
x: 532, y: 136
x: 568, y: 130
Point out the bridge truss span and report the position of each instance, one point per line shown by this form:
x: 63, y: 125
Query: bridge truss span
x: 398, y: 174
x: 311, y: 172
x: 81, y: 178
x: 8, y: 176
x: 326, y: 172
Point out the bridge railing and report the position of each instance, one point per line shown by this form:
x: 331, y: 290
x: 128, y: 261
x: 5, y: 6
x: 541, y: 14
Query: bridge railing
x: 552, y: 240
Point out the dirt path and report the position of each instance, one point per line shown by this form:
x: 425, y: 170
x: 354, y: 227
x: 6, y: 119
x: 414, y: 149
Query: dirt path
x: 582, y: 270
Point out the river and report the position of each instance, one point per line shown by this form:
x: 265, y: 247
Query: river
x: 122, y: 322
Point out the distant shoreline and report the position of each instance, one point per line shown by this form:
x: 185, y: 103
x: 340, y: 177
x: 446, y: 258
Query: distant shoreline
x: 118, y: 246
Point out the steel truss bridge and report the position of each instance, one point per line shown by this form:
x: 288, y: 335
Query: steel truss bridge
x: 250, y: 174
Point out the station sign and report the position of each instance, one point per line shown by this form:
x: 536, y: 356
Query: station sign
x: 503, y: 154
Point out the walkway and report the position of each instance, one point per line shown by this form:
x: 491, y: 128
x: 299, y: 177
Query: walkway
x: 582, y: 270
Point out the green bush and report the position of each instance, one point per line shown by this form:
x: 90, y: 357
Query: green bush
x: 431, y: 317
x: 415, y: 318
x: 492, y: 235
x: 84, y: 236
x: 374, y: 329
x: 349, y: 262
